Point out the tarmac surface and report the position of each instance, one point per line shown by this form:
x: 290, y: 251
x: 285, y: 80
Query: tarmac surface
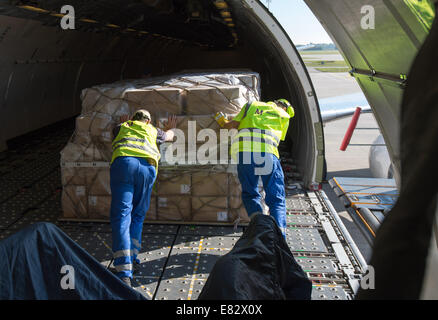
x: 333, y: 84
x: 354, y: 162
x: 327, y: 57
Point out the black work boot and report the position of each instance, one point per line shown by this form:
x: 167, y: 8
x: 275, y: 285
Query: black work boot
x: 136, y: 267
x: 127, y: 281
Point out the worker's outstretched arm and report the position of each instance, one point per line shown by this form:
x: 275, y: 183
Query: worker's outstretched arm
x: 221, y: 119
x: 231, y: 124
x: 124, y: 118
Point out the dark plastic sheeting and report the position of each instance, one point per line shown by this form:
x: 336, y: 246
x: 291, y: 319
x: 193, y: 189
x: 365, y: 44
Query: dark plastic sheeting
x: 260, y: 266
x: 31, y: 262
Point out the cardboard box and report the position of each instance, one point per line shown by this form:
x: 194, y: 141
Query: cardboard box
x: 77, y: 205
x: 82, y: 139
x: 175, y: 183
x: 151, y: 214
x: 97, y: 125
x: 210, y: 209
x: 74, y: 202
x: 174, y: 208
x: 97, y: 181
x: 173, y: 153
x: 157, y: 100
x: 105, y: 99
x: 74, y: 152
x: 209, y: 100
x: 99, y: 207
x: 209, y: 184
x: 237, y: 209
x: 92, y: 99
x: 194, y: 125
x: 72, y: 176
x: 193, y: 97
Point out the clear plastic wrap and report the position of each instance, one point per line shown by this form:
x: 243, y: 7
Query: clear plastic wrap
x: 188, y: 188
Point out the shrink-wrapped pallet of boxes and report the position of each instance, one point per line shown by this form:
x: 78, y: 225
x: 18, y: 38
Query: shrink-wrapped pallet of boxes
x: 196, y: 182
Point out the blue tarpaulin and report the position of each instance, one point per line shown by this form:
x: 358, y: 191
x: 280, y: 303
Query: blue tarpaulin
x: 31, y: 267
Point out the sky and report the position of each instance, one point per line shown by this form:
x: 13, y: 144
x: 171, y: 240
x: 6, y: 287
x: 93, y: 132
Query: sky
x: 298, y: 21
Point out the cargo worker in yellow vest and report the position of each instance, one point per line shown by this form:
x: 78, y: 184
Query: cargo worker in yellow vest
x: 261, y: 128
x: 133, y: 172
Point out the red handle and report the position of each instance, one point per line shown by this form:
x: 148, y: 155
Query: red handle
x: 350, y: 129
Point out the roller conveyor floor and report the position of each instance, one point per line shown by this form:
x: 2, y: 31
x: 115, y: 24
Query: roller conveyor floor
x: 175, y: 259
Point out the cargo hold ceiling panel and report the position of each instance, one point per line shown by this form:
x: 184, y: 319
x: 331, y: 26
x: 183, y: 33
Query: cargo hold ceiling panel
x: 126, y: 39
x: 199, y: 22
x: 379, y: 39
x: 111, y: 40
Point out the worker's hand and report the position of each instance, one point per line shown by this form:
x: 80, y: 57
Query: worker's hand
x: 171, y: 123
x: 221, y: 119
x: 124, y: 118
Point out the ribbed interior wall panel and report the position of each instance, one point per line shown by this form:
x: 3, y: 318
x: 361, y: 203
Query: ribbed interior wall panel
x: 44, y: 68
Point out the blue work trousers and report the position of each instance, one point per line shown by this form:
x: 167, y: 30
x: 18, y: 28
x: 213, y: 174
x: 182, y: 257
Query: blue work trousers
x: 253, y: 166
x: 131, y: 181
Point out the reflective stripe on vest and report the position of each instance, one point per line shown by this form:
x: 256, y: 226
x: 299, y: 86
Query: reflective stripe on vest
x: 150, y: 151
x: 143, y: 146
x: 130, y: 139
x: 253, y: 144
x: 257, y: 140
x: 261, y: 132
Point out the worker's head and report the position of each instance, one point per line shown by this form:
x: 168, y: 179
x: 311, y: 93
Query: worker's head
x: 282, y: 103
x: 142, y: 115
x: 286, y: 106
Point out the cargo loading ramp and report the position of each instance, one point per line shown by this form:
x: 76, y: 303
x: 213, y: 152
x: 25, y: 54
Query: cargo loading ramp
x: 367, y: 201
x: 176, y: 259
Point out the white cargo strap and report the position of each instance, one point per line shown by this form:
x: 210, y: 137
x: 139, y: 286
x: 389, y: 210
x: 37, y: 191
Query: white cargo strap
x: 236, y: 223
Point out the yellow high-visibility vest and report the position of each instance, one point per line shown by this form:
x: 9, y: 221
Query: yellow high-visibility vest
x: 262, y: 127
x: 136, y: 139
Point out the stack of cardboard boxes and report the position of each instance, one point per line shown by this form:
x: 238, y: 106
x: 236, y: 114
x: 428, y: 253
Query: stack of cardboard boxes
x: 199, y: 196
x: 195, y: 183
